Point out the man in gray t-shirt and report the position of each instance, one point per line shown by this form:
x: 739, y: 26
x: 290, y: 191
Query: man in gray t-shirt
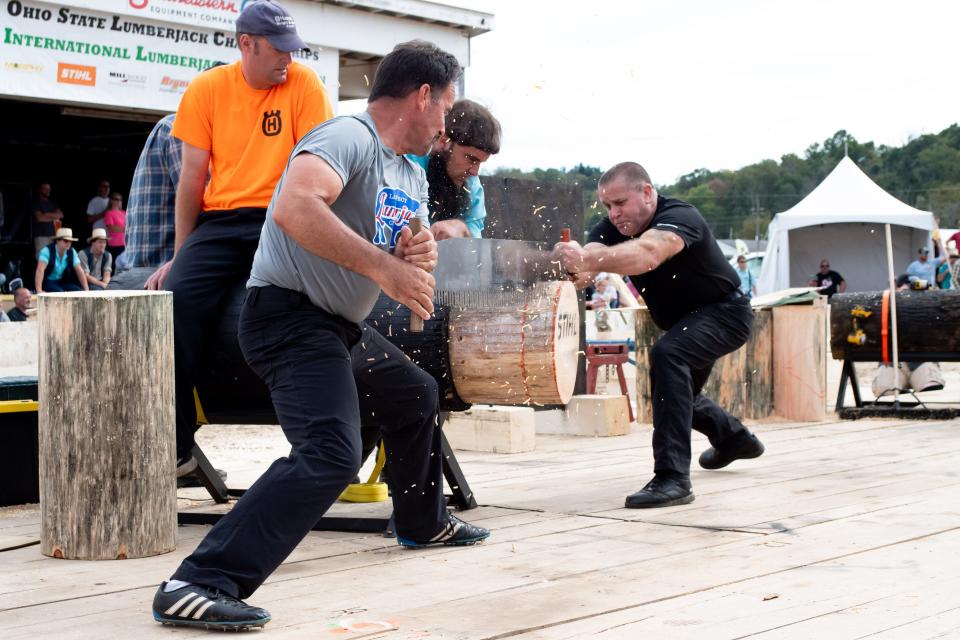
x: 382, y: 191
x: 336, y: 233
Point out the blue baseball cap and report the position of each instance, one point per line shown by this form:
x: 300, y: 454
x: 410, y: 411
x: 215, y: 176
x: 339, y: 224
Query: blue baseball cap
x: 270, y: 20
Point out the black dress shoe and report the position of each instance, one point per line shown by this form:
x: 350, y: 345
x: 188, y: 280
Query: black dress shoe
x: 740, y: 447
x: 661, y: 492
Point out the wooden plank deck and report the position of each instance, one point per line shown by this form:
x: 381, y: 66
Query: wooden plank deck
x: 842, y: 530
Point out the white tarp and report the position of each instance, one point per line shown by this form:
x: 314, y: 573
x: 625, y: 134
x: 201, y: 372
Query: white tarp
x: 132, y: 57
x: 843, y: 221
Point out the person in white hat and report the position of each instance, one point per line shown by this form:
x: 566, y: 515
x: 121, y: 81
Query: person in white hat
x: 58, y: 265
x: 96, y: 261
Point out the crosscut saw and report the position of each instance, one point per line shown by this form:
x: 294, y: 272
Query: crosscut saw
x: 479, y: 272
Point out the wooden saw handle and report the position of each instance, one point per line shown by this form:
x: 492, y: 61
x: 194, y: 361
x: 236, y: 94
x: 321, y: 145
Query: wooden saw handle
x: 416, y: 322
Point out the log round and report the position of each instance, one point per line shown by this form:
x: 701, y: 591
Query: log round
x: 106, y: 425
x: 525, y: 355
x: 427, y: 348
x: 495, y: 354
x: 928, y: 325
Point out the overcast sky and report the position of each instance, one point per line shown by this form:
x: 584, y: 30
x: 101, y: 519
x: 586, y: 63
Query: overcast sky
x: 680, y: 85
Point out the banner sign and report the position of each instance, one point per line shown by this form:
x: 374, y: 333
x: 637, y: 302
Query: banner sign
x: 67, y: 53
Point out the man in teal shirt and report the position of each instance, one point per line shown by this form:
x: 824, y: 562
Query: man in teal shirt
x: 456, y: 203
x: 59, y: 267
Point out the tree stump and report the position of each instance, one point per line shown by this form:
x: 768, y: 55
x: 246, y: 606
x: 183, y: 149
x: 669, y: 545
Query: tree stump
x: 106, y: 425
x: 741, y: 382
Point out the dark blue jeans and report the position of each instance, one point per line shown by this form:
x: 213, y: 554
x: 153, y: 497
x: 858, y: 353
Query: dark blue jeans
x: 319, y: 389
x: 59, y: 286
x: 680, y: 363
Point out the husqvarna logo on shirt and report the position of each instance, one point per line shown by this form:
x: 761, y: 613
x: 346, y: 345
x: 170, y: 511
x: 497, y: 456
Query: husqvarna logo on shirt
x: 272, y: 124
x: 393, y: 212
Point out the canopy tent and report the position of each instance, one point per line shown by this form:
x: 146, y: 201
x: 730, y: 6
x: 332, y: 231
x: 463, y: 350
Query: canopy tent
x: 842, y: 220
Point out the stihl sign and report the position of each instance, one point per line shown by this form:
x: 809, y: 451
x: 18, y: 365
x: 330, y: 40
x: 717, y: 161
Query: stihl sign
x: 76, y: 74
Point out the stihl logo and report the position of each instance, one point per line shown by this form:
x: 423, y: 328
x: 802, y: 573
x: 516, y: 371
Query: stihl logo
x: 76, y: 74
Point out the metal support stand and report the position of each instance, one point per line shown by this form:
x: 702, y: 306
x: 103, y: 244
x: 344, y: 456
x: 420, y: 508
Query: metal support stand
x: 848, y: 373
x: 461, y: 495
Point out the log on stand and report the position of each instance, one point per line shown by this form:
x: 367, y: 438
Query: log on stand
x: 929, y: 325
x: 106, y: 425
x: 493, y: 353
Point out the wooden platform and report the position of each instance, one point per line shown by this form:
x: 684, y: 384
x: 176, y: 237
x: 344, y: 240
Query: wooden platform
x: 842, y: 530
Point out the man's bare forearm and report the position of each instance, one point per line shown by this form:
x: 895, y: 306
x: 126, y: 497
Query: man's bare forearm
x: 38, y: 276
x: 187, y: 209
x: 636, y: 256
x: 631, y: 257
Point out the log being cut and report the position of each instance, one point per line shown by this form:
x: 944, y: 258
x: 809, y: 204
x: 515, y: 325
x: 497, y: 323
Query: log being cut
x: 505, y: 330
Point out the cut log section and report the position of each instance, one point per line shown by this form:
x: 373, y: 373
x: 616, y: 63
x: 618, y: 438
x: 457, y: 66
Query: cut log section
x: 525, y: 355
x: 495, y: 351
x: 106, y: 425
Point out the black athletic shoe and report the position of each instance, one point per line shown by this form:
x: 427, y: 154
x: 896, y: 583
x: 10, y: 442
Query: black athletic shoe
x: 661, y: 492
x: 741, y: 447
x: 198, y: 606
x: 193, y: 480
x: 454, y: 532
x: 186, y: 465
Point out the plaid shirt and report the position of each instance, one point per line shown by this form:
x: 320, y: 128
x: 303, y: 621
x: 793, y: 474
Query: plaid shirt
x: 150, y: 208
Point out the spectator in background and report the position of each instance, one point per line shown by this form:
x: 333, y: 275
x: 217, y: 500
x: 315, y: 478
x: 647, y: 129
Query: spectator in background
x: 953, y: 240
x: 922, y: 271
x: 115, y: 220
x: 954, y: 263
x: 46, y: 217
x: 151, y: 230
x: 944, y: 274
x: 456, y: 200
x: 98, y: 206
x: 827, y: 281
x: 748, y: 284
x: 604, y: 295
x: 21, y: 301
x: 96, y: 261
x: 58, y: 265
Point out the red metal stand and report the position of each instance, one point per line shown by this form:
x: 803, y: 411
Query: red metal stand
x: 599, y: 355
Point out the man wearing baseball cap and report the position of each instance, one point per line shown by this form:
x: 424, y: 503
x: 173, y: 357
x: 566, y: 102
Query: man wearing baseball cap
x: 923, y: 269
x: 241, y: 121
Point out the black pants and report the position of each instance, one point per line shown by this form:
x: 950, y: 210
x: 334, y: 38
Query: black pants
x: 115, y: 252
x: 214, y: 258
x: 680, y: 363
x: 319, y: 393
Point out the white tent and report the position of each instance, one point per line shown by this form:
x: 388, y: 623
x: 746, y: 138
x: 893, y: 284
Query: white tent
x: 842, y: 220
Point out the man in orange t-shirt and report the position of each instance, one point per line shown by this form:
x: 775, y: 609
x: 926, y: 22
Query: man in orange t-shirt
x: 239, y: 122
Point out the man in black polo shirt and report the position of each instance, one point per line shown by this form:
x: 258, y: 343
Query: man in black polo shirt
x: 828, y: 281
x: 693, y: 293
